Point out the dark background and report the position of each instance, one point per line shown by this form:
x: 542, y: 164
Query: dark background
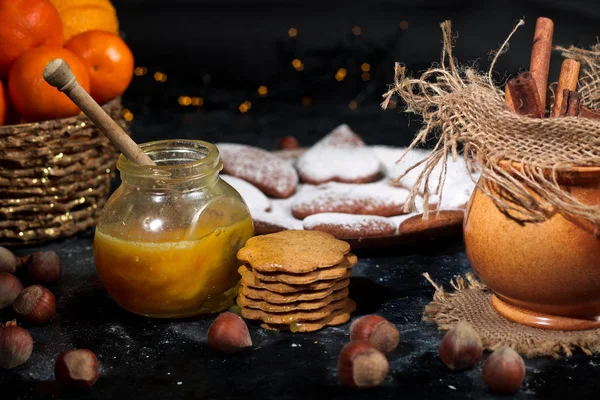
x: 223, y: 50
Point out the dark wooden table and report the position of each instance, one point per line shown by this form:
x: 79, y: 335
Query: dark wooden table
x: 149, y: 359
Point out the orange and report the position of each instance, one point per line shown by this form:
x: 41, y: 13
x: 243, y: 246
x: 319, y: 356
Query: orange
x: 32, y: 96
x: 3, y: 103
x: 8, y: 114
x: 62, y: 5
x: 80, y: 16
x: 108, y: 60
x: 24, y: 25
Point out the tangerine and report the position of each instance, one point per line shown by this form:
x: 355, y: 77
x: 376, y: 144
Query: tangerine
x: 3, y: 103
x: 108, y: 60
x: 62, y: 5
x: 32, y: 96
x: 80, y: 16
x: 24, y: 25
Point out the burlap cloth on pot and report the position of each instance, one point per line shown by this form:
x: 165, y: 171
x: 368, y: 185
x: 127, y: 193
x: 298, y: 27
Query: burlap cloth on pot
x: 471, y: 301
x: 462, y: 108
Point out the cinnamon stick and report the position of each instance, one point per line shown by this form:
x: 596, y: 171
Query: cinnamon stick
x: 571, y: 106
x: 564, y: 105
x: 585, y: 112
x: 539, y: 64
x: 508, y: 99
x: 573, y: 101
x: 569, y: 76
x: 525, y: 96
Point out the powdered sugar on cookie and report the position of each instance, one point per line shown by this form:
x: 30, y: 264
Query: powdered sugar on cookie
x: 458, y: 184
x: 276, y: 220
x: 377, y: 198
x: 279, y: 217
x: 341, y: 156
x: 342, y: 136
x: 254, y: 198
x: 272, y: 175
x: 398, y: 219
x: 349, y: 225
x: 360, y: 208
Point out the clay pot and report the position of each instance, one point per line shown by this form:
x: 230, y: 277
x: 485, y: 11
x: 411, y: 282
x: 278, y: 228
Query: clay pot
x: 545, y: 274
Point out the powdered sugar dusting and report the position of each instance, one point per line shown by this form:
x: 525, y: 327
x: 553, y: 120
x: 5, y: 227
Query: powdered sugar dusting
x: 280, y: 213
x: 350, y: 222
x: 456, y: 174
x: 398, y: 219
x: 276, y: 219
x: 273, y: 175
x: 455, y: 196
x: 388, y: 156
x: 347, y: 209
x: 339, y: 156
x: 254, y: 198
x: 377, y: 198
x: 343, y: 137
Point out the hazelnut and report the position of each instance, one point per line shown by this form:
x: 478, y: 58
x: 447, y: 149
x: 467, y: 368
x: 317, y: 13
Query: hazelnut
x: 16, y: 345
x: 22, y: 261
x: 8, y: 261
x: 461, y: 347
x: 378, y: 331
x: 76, y: 369
x: 10, y: 288
x: 289, y: 143
x: 360, y: 365
x: 228, y: 334
x: 44, y: 267
x: 35, y: 304
x: 504, y: 370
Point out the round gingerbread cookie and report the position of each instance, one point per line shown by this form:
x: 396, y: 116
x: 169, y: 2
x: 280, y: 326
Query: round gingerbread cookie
x: 249, y: 280
x: 246, y: 302
x: 293, y: 251
x: 272, y: 175
x: 278, y: 298
x: 321, y: 274
x: 350, y: 226
x: 293, y: 316
x: 337, y: 317
x: 365, y: 199
x: 341, y: 156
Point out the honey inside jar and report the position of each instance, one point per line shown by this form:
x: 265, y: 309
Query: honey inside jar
x: 166, y: 246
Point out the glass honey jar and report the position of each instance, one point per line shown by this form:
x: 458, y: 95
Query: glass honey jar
x: 166, y: 241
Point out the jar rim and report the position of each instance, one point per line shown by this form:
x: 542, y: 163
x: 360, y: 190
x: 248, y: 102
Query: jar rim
x: 208, y: 160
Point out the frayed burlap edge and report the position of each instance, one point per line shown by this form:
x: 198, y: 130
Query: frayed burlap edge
x: 463, y: 107
x: 495, y: 330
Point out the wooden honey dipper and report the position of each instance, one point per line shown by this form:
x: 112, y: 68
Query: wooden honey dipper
x: 58, y: 74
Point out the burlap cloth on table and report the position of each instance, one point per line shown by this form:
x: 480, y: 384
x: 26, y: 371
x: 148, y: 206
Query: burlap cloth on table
x: 463, y: 108
x: 471, y: 302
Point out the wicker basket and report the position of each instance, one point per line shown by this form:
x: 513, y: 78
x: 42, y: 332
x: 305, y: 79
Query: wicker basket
x: 55, y: 176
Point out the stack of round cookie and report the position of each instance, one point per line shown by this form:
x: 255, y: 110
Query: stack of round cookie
x: 296, y: 280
